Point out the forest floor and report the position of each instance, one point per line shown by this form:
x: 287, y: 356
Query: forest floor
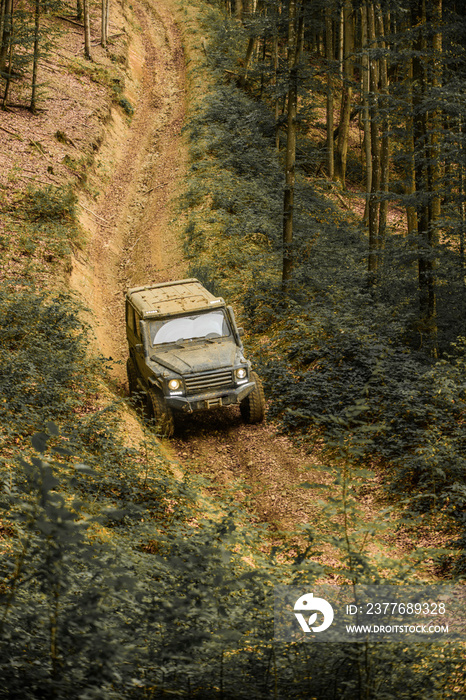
x: 135, y: 237
x: 128, y: 210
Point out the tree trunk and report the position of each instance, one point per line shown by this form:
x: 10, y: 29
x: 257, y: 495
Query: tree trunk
x: 264, y: 53
x: 329, y: 56
x: 288, y: 201
x: 247, y: 60
x: 87, y: 30
x: 434, y: 176
x: 374, y: 197
x: 437, y: 121
x: 347, y: 96
x: 295, y: 34
x: 252, y: 43
x: 425, y: 229
x: 10, y: 57
x: 462, y: 194
x: 35, y: 60
x: 7, y: 25
x: 104, y: 24
x: 365, y: 106
x: 411, y: 213
x: 276, y: 98
x: 341, y: 42
x: 2, y: 27
x: 385, y: 139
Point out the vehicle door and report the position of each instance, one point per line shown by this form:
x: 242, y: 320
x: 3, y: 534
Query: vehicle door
x: 133, y: 333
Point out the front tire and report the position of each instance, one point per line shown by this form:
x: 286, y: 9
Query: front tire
x: 161, y: 413
x: 253, y: 406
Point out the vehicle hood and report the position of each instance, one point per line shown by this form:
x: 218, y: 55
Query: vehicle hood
x: 200, y: 357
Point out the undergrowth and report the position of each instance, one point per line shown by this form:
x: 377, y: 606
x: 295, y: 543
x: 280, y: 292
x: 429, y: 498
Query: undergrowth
x: 333, y: 339
x: 40, y: 227
x: 121, y: 578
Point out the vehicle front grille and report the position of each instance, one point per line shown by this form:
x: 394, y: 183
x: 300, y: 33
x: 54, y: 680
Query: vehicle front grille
x: 212, y: 381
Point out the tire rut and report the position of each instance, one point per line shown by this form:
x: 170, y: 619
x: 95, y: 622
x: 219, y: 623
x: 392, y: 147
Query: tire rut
x: 262, y: 466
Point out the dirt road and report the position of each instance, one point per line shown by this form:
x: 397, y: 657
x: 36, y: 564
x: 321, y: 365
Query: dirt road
x: 132, y: 239
x: 135, y: 239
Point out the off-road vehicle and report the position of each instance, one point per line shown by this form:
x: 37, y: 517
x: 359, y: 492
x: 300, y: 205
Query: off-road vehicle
x: 185, y: 353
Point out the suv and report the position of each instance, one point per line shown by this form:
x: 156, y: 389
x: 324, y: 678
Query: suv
x: 185, y: 353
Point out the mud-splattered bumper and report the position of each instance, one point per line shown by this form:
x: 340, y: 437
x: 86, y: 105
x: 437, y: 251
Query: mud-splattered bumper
x: 200, y: 402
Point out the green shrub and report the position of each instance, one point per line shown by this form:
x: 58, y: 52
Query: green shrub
x: 50, y: 203
x: 126, y: 105
x: 43, y: 345
x: 51, y: 227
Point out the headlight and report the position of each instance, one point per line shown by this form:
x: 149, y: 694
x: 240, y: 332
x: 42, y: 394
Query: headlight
x: 174, y: 384
x: 241, y: 373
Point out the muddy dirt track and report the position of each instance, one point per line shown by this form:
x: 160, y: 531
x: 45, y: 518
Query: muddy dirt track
x: 135, y: 240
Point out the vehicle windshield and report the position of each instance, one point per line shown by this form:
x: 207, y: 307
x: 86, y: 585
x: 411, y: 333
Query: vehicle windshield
x: 206, y: 325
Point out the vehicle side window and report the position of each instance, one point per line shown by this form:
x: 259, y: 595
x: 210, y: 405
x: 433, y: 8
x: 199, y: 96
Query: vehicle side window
x: 130, y: 317
x: 137, y: 328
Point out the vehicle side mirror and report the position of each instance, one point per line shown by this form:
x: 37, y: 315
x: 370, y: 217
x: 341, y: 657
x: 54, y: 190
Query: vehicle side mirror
x: 138, y: 347
x: 240, y: 332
